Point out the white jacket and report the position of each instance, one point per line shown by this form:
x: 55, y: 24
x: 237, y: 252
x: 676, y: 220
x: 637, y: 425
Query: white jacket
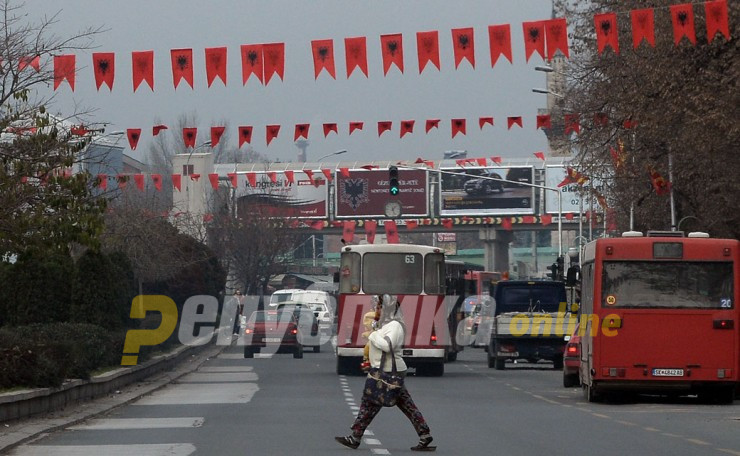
x: 394, y: 331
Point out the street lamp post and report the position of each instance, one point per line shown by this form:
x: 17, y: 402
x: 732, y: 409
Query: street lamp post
x: 339, y: 152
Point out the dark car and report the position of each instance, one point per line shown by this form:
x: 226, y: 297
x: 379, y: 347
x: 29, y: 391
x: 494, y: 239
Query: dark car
x: 272, y: 329
x: 484, y: 186
x: 572, y: 360
x: 308, y: 324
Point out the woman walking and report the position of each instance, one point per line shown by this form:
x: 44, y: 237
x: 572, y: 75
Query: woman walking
x: 391, y: 328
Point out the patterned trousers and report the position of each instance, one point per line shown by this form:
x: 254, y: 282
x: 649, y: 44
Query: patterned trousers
x: 368, y: 410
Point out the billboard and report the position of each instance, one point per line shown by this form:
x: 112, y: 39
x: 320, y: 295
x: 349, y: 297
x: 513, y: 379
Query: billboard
x: 302, y: 198
x: 571, y: 193
x: 365, y: 192
x: 474, y: 191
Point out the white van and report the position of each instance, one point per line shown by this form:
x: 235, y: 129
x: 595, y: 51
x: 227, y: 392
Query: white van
x: 321, y: 303
x: 281, y: 296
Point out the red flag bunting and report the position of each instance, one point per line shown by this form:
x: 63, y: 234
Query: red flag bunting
x: 481, y: 161
x: 601, y: 119
x: 682, y: 17
x: 432, y: 123
x: 328, y: 128
x: 458, y: 126
x: 234, y: 179
x: 157, y: 128
x: 133, y: 135
x: 543, y: 121
x: 323, y: 57
x: 348, y: 231
x: 301, y: 131
x: 64, y: 68
x: 461, y: 162
x: 213, y: 177
x: 447, y: 223
x: 384, y: 126
x: 344, y: 172
x: 485, y: 120
x: 177, y: 181
x: 216, y: 133
x: 540, y: 155
x: 496, y: 159
x: 157, y: 179
x: 182, y: 66
x: 716, y: 14
x: 407, y: 126
x: 499, y: 38
x: 195, y: 177
x: 317, y: 224
x: 272, y: 132
x: 328, y: 174
x: 103, y: 181
x: 643, y: 26
x: 545, y: 219
x: 370, y: 228
x: 104, y: 66
x: 289, y: 176
x: 355, y: 50
x: 391, y: 232
x: 514, y: 120
x: 122, y: 180
x: 142, y: 63
x: 573, y: 177
x: 411, y: 224
x: 272, y: 175
x: 392, y: 49
x: 252, y: 179
x: 189, y: 135
x: 427, y: 48
x: 534, y: 38
x: 528, y: 219
x: 607, y: 33
x: 274, y: 60
x: 216, y: 64
x: 629, y: 124
x: 245, y: 135
x: 463, y: 44
x: 252, y: 62
x: 309, y: 173
x: 556, y: 32
x: 355, y: 126
x: 207, y: 218
x: 35, y: 63
x: 572, y: 124
x: 506, y: 223
x: 660, y: 184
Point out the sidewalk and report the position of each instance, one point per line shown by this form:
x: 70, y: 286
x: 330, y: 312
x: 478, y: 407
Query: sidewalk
x: 15, y: 433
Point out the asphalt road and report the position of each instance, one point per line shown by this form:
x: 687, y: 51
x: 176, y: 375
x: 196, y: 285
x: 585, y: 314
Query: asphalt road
x: 277, y: 405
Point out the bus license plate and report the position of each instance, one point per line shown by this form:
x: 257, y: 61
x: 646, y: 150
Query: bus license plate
x: 408, y: 352
x: 667, y: 372
x: 273, y: 340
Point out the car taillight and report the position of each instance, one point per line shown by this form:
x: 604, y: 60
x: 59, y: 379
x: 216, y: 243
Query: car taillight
x: 572, y: 350
x: 294, y: 331
x: 248, y: 331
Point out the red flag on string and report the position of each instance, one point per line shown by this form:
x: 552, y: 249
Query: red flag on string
x: 447, y: 223
x: 122, y: 180
x: 289, y: 176
x: 384, y: 126
x: 481, y: 161
x: 328, y: 128
x: 309, y: 173
x: 607, y: 33
x: 35, y: 63
x: 195, y: 177
x: 355, y: 126
x: 391, y: 232
x: 328, y: 174
x: 102, y: 181
x: 177, y: 181
x: 64, y: 68
x: 461, y: 162
x: 348, y: 231
x: 272, y: 175
x: 629, y: 124
x: 370, y: 229
x: 216, y: 64
x: 458, y: 126
x: 271, y: 132
x: 427, y: 48
x: 182, y: 66
x: 514, y: 120
x: 572, y: 123
x: 716, y: 16
x: 540, y: 155
x: 213, y: 178
x: 432, y: 123
x: 317, y: 225
x: 157, y: 128
x: 534, y: 38
x: 485, y: 120
x: 369, y: 167
x: 273, y: 60
x: 682, y: 17
x: 660, y: 184
x: 407, y: 126
x: 355, y: 50
x: 545, y: 219
x: 142, y: 63
x: 189, y: 135
x: 234, y: 179
x: 506, y: 223
x: 344, y: 172
x: 301, y: 131
x: 392, y: 50
x: 216, y: 133
x: 499, y: 39
x: 133, y: 135
x: 528, y: 219
x: 573, y: 177
x: 252, y: 62
x: 252, y: 179
x: 411, y: 224
x: 569, y: 216
x: 496, y: 159
x: 323, y: 57
x: 157, y: 179
x: 601, y: 119
x: 245, y: 135
x: 104, y: 66
x: 543, y: 121
x: 643, y: 26
x: 556, y: 32
x: 463, y: 45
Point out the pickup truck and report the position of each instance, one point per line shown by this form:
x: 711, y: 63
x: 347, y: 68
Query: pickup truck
x: 528, y: 320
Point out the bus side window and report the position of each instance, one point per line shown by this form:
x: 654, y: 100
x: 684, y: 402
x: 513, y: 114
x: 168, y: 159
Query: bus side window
x: 349, y: 273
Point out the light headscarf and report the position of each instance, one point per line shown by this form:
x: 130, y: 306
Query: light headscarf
x: 391, y: 311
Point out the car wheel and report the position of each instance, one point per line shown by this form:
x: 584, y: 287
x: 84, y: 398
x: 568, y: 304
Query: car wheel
x: 452, y: 356
x: 248, y: 353
x: 298, y: 353
x: 570, y: 380
x: 557, y: 363
x: 499, y: 363
x: 590, y: 393
x: 317, y: 348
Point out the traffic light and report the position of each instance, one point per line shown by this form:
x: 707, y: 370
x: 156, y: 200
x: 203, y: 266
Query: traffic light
x: 553, y: 274
x: 561, y: 268
x: 393, y: 186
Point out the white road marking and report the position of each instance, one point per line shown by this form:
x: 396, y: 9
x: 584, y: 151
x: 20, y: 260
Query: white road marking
x: 140, y: 423
x: 165, y: 449
x: 226, y: 369
x: 200, y: 377
x: 231, y: 356
x: 380, y: 451
x: 196, y: 393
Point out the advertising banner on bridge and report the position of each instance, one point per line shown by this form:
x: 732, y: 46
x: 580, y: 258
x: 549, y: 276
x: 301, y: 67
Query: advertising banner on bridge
x: 365, y: 193
x: 571, y: 192
x: 302, y: 198
x: 470, y: 191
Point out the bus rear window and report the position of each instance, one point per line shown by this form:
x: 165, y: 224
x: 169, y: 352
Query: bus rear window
x: 667, y: 284
x: 393, y: 273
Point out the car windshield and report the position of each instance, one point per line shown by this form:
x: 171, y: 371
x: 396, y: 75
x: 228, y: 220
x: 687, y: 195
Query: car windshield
x: 542, y: 298
x: 270, y: 317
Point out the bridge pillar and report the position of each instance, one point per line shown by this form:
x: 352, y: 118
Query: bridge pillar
x: 495, y: 248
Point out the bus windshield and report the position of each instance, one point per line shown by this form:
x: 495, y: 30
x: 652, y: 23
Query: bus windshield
x: 393, y: 273
x: 653, y: 284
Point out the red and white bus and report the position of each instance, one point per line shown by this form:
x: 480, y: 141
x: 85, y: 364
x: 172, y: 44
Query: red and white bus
x: 416, y: 274
x: 659, y: 314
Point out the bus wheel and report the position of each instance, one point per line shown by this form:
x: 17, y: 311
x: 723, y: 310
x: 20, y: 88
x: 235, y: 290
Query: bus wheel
x: 317, y: 348
x: 590, y: 394
x: 452, y: 356
x: 343, y: 367
x: 298, y: 353
x: 717, y: 395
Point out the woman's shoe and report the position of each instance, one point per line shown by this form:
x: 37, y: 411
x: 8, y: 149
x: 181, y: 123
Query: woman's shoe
x: 423, y: 445
x: 349, y: 441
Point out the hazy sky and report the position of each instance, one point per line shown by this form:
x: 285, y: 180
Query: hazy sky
x: 162, y: 25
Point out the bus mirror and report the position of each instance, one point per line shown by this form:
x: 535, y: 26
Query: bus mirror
x: 574, y: 308
x: 573, y: 276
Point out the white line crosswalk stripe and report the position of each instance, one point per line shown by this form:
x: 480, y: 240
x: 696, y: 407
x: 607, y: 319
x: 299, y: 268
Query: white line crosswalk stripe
x: 195, y: 393
x: 140, y: 423
x: 162, y: 449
